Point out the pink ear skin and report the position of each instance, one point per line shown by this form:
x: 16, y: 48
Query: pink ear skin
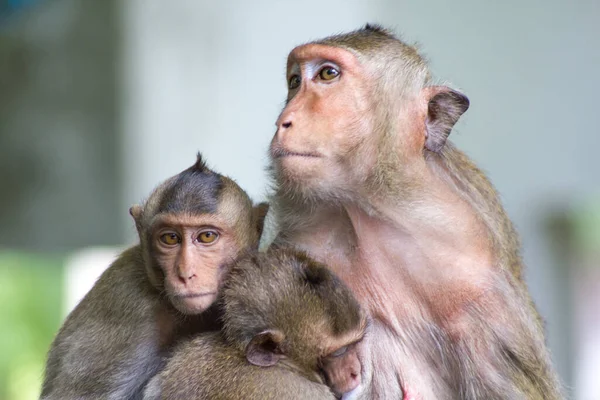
x: 136, y: 212
x: 264, y: 350
x: 445, y: 107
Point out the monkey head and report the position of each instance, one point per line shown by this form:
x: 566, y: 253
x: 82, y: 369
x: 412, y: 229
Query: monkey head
x: 358, y: 114
x: 282, y: 308
x: 190, y: 228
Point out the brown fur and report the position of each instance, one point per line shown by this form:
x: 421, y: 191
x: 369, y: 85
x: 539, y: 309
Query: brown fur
x: 472, y: 183
x: 367, y: 184
x: 118, y: 335
x: 305, y: 307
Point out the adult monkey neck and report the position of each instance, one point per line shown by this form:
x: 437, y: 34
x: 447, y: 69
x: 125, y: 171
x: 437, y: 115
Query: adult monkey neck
x: 367, y: 184
x: 389, y: 242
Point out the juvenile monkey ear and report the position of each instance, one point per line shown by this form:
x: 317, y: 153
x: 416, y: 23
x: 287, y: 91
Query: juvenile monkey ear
x: 260, y: 213
x: 316, y: 274
x: 136, y: 212
x: 443, y: 111
x: 264, y: 350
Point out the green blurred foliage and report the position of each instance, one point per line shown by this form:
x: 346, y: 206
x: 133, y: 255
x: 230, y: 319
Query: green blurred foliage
x: 31, y: 289
x: 586, y: 224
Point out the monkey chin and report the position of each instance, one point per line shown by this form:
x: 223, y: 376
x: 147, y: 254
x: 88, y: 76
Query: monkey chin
x: 301, y: 170
x: 307, y: 166
x: 192, y: 305
x: 353, y: 394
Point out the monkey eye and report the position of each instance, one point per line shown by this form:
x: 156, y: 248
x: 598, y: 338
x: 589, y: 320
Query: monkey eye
x: 208, y: 237
x: 339, y: 352
x: 328, y: 73
x: 170, y: 239
x: 294, y: 82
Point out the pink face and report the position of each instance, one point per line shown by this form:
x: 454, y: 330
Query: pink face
x: 327, y: 120
x: 192, y: 253
x: 342, y: 369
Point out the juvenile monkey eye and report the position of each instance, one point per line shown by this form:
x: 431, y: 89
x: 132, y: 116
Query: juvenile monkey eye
x: 339, y: 352
x: 328, y: 73
x: 294, y: 82
x: 170, y: 239
x: 208, y: 236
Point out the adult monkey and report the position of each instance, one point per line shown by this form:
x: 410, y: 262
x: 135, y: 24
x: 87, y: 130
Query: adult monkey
x: 367, y: 184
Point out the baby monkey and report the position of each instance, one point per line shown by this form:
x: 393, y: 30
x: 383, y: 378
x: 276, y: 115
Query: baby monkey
x: 190, y: 229
x: 291, y: 328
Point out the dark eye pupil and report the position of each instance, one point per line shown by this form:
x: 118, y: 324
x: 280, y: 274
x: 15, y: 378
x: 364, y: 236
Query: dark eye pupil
x: 294, y: 82
x: 329, y: 73
x: 208, y: 237
x: 170, y: 238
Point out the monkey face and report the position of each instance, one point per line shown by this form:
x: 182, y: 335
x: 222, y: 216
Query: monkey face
x: 191, y: 228
x: 342, y: 369
x: 193, y: 253
x: 326, y: 121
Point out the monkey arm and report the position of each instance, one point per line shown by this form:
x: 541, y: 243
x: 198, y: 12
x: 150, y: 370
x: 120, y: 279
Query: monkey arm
x: 502, y: 357
x: 108, y: 346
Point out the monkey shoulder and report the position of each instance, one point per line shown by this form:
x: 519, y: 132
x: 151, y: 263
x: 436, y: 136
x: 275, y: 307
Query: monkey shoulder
x: 110, y: 333
x: 123, y: 291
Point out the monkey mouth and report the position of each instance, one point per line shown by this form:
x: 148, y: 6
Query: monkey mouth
x: 279, y: 152
x: 195, y: 295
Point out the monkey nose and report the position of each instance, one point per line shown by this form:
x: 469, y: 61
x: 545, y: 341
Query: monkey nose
x: 186, y: 276
x: 282, y: 128
x: 284, y: 121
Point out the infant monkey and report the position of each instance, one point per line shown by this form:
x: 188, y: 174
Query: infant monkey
x: 290, y: 329
x: 190, y: 229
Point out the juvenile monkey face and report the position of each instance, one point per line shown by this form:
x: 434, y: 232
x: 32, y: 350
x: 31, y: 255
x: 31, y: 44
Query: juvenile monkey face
x: 342, y: 369
x: 326, y: 124
x: 193, y: 253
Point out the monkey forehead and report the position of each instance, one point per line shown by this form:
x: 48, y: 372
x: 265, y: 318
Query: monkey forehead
x: 328, y: 339
x: 353, y: 331
x: 332, y: 343
x: 190, y: 219
x: 189, y: 191
x: 302, y: 54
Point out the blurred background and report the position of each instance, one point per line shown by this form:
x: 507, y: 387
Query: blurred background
x: 101, y: 100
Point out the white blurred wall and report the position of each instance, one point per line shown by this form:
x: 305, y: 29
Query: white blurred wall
x: 209, y: 76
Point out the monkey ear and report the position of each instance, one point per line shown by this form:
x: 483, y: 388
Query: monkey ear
x: 264, y: 350
x: 136, y: 212
x: 316, y: 274
x: 444, y: 109
x: 260, y: 213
